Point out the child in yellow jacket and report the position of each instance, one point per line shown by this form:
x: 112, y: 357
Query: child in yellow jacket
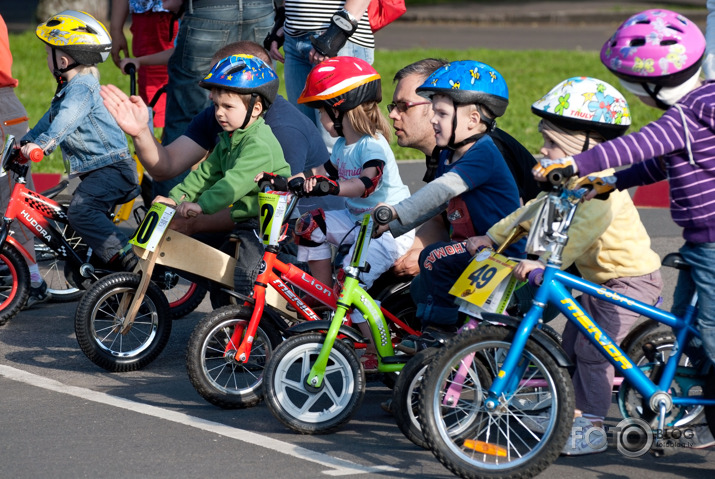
x: 607, y: 243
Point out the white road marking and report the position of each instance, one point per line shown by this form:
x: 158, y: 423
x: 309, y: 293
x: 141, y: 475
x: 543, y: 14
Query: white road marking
x: 338, y: 467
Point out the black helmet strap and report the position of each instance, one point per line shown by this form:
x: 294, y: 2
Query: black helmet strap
x: 654, y: 95
x: 57, y: 72
x: 337, y: 120
x: 249, y: 109
x: 491, y: 124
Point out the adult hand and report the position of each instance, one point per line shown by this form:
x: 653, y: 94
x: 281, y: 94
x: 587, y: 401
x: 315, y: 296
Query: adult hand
x: 119, y: 45
x: 172, y: 5
x: 522, y: 270
x: 408, y: 264
x: 476, y: 242
x: 130, y: 113
x: 183, y: 225
x: 315, y: 57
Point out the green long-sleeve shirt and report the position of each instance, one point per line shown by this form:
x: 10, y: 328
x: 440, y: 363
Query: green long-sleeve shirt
x: 226, y: 176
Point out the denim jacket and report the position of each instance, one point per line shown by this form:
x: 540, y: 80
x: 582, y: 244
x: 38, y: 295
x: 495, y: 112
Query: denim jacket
x: 79, y: 123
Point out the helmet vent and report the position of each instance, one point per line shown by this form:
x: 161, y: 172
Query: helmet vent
x: 637, y: 42
x: 53, y: 23
x: 670, y: 41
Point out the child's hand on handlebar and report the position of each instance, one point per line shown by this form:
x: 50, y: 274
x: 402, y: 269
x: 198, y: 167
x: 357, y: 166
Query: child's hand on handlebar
x: 30, y: 151
x: 187, y: 209
x: 380, y: 225
x: 554, y: 171
x: 475, y: 243
x: 522, y: 270
x: 599, y: 187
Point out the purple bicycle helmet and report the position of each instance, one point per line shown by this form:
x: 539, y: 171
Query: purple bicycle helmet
x: 656, y: 46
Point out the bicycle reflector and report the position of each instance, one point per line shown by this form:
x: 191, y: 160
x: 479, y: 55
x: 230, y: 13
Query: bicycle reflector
x: 485, y: 448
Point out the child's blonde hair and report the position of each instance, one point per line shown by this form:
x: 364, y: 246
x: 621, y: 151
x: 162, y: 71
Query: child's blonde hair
x: 368, y: 119
x: 88, y: 70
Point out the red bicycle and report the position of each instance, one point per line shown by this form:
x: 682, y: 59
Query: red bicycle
x: 229, y: 348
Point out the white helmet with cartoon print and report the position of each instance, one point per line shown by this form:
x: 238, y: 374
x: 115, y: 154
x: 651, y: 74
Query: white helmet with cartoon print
x: 585, y: 104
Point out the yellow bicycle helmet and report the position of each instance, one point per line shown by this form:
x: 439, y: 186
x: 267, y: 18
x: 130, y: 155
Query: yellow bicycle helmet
x: 77, y: 34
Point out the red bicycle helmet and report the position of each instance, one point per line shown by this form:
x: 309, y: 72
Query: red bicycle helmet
x: 342, y: 83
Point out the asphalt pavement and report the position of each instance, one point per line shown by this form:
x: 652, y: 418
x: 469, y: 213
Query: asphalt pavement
x: 63, y: 417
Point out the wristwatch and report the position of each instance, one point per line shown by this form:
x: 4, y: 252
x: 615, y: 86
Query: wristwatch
x: 344, y: 20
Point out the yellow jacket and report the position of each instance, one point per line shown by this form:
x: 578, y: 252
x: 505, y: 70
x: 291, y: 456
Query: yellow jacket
x: 606, y: 239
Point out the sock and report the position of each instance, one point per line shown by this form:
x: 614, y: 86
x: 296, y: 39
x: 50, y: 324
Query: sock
x: 35, y: 276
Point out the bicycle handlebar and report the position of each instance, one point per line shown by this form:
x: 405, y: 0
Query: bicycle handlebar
x: 131, y: 70
x: 382, y: 215
x: 536, y: 277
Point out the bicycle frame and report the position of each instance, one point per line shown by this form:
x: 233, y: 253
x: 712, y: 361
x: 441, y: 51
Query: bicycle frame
x: 33, y: 210
x: 278, y: 275
x: 554, y: 290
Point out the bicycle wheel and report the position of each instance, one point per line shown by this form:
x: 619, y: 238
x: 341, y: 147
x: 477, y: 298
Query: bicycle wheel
x: 685, y: 383
x: 14, y: 282
x: 309, y: 412
x: 97, y: 324
x: 523, y: 435
x: 63, y: 287
x: 183, y: 295
x: 406, y: 394
x: 215, y: 372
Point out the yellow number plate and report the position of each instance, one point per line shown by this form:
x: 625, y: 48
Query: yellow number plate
x: 153, y: 227
x: 479, y: 280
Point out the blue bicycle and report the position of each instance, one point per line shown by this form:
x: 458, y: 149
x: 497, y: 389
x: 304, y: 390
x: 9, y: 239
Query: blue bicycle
x: 498, y: 401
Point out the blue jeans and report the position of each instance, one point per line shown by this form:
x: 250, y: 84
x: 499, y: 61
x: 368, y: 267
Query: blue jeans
x: 203, y: 30
x: 701, y: 277
x: 297, y: 66
x: 99, y: 191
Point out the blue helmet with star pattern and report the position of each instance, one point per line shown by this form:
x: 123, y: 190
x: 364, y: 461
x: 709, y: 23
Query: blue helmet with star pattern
x: 585, y: 104
x: 469, y: 82
x: 243, y: 74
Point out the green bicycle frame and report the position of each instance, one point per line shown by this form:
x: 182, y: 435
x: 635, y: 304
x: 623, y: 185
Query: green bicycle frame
x: 352, y: 294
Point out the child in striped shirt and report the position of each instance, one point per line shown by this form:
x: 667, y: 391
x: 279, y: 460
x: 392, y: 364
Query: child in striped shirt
x: 657, y: 55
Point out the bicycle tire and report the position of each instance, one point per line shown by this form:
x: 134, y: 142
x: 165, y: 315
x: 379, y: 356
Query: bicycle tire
x: 510, y: 447
x: 303, y: 411
x: 183, y: 294
x: 630, y: 401
x: 405, y: 396
x: 15, y: 281
x: 96, y: 324
x: 219, y: 378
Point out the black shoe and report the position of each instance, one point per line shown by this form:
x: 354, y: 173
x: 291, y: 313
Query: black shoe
x: 126, y: 261
x: 38, y: 294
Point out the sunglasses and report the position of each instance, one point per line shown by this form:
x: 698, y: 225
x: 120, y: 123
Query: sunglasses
x: 403, y: 106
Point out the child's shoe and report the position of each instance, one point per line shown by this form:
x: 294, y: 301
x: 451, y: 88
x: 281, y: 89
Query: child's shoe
x: 38, y: 294
x: 585, y: 438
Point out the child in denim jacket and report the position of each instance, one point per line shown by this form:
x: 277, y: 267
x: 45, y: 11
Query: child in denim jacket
x: 93, y: 146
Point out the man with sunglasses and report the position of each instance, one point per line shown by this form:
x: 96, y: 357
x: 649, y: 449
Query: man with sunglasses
x: 410, y: 114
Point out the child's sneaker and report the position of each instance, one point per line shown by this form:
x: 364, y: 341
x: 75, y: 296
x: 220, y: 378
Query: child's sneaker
x: 585, y: 438
x: 38, y: 294
x: 538, y: 423
x: 703, y: 437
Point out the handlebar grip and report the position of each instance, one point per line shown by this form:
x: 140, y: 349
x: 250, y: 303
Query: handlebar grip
x: 37, y: 155
x: 382, y: 215
x: 130, y: 69
x: 323, y: 186
x: 559, y: 175
x: 296, y: 185
x: 536, y: 277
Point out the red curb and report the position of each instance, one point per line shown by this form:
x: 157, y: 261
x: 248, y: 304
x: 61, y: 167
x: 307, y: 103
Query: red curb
x: 656, y: 195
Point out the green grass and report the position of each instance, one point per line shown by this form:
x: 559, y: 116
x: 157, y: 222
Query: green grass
x: 529, y: 75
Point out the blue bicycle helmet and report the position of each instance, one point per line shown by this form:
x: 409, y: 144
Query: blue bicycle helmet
x: 244, y: 74
x: 469, y: 82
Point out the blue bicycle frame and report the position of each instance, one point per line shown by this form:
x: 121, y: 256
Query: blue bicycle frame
x: 554, y: 290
